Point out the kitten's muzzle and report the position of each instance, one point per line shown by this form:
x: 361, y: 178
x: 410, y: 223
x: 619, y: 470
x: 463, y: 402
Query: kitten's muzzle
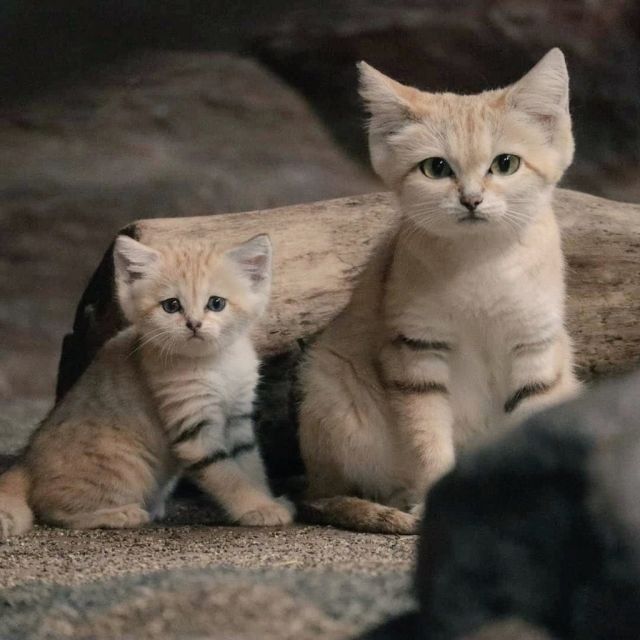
x: 194, y: 325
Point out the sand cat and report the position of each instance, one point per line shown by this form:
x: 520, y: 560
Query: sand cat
x: 456, y: 329
x: 171, y: 395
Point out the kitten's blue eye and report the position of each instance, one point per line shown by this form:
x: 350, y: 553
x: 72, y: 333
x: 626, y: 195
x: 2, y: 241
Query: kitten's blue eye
x: 436, y: 168
x: 171, y: 305
x: 505, y: 164
x: 216, y: 303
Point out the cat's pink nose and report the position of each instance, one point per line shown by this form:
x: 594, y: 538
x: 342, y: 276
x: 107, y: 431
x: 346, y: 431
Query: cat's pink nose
x: 470, y: 201
x: 194, y: 325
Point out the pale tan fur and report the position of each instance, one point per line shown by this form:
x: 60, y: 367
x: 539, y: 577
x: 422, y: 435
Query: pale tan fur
x: 456, y: 330
x: 159, y: 400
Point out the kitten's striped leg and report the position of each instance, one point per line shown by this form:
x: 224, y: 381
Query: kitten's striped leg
x: 415, y: 375
x: 243, y: 447
x: 214, y: 466
x: 245, y: 502
x: 541, y: 376
x: 241, y: 440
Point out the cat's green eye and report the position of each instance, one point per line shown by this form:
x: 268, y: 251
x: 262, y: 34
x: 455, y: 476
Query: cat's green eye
x: 436, y: 168
x: 505, y: 164
x: 216, y: 303
x: 171, y: 305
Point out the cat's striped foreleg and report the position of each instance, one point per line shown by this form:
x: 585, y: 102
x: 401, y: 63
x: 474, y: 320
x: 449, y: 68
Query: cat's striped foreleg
x: 415, y: 376
x: 541, y: 375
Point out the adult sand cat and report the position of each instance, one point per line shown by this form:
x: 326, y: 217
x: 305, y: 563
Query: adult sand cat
x: 456, y: 329
x: 172, y: 394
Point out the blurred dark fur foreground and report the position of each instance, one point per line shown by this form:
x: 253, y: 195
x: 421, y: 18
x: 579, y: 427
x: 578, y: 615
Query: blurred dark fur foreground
x: 541, y: 527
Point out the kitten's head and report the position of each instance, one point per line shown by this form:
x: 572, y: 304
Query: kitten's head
x: 189, y: 297
x: 471, y: 164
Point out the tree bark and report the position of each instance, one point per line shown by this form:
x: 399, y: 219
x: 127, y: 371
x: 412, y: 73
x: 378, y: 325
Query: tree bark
x: 321, y: 248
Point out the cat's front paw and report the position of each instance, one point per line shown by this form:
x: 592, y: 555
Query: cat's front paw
x: 270, y: 514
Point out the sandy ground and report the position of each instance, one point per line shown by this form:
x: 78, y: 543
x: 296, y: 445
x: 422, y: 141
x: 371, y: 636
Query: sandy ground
x: 49, y: 555
x: 201, y: 581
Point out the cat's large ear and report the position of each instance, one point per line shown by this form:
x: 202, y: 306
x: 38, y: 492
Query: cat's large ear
x: 133, y: 260
x: 254, y: 259
x: 543, y: 93
x: 388, y: 101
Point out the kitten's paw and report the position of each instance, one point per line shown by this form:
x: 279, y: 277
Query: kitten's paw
x: 269, y: 514
x: 14, y: 524
x: 125, y: 517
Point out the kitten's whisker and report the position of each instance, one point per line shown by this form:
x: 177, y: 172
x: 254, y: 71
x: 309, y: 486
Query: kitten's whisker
x: 148, y: 338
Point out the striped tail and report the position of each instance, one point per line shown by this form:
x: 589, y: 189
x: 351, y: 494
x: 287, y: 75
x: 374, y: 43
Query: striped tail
x: 356, y: 514
x: 16, y: 516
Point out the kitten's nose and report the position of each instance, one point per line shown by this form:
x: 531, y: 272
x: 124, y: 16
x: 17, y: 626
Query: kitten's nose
x: 194, y: 325
x: 471, y: 200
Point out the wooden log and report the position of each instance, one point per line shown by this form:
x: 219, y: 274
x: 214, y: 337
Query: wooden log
x: 321, y: 248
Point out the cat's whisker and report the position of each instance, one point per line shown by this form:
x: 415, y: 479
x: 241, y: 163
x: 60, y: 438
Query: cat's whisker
x: 148, y: 338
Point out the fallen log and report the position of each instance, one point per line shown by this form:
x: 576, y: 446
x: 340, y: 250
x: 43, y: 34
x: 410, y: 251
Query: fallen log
x: 321, y: 248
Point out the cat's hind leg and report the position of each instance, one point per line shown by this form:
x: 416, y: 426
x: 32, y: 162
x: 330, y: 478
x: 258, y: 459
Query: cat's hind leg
x: 87, y: 476
x: 348, y: 449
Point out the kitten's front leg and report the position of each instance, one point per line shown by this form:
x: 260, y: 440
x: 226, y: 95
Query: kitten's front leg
x: 541, y: 376
x: 415, y: 375
x: 243, y: 446
x: 244, y: 502
x: 241, y: 441
x: 215, y: 467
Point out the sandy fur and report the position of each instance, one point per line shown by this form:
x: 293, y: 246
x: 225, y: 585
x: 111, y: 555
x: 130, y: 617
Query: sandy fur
x: 159, y: 400
x: 455, y: 332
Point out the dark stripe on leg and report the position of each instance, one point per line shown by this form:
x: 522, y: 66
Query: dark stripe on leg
x: 416, y: 387
x: 216, y: 456
x: 532, y: 389
x: 420, y: 345
x: 191, y: 432
x: 242, y: 448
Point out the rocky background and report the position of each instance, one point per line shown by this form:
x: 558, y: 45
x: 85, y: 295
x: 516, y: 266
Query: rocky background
x: 114, y: 111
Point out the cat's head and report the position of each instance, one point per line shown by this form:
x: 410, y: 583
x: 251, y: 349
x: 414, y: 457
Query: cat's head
x: 189, y: 297
x: 463, y: 164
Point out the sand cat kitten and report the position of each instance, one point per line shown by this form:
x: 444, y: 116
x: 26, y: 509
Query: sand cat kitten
x: 456, y: 329
x: 172, y: 394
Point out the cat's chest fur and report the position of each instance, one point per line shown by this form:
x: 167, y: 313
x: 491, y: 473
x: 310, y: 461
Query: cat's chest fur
x: 484, y: 308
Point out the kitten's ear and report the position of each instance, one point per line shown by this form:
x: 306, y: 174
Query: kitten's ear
x: 133, y: 260
x: 543, y: 93
x: 254, y: 259
x: 388, y: 101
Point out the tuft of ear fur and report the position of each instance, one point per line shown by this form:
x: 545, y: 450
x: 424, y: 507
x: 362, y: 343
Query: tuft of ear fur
x: 254, y: 259
x: 543, y: 93
x: 388, y: 101
x: 133, y: 261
